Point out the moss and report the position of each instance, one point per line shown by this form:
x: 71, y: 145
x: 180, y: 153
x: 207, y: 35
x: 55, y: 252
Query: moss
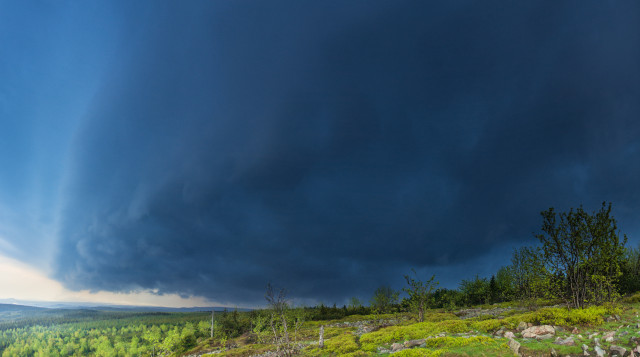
x: 440, y: 316
x: 341, y: 345
x: 418, y: 352
x: 385, y: 336
x: 445, y: 342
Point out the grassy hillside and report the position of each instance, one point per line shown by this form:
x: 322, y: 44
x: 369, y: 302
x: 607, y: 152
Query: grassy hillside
x: 497, y: 330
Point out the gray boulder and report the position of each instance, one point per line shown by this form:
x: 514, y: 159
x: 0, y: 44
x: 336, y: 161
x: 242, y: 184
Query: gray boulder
x: 413, y: 343
x: 565, y: 342
x: 617, y: 351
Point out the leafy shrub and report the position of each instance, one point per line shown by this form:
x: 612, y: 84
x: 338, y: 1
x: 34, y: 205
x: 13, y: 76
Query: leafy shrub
x: 591, y: 316
x: 632, y: 299
x: 491, y: 325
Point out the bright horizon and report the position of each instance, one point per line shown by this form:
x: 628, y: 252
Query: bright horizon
x: 20, y: 281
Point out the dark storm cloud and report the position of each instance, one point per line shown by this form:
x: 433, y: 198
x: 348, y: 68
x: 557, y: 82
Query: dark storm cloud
x: 328, y: 148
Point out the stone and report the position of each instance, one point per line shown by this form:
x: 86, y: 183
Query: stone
x: 544, y: 337
x: 523, y: 326
x: 321, y: 339
x: 599, y: 351
x: 593, y: 335
x: 509, y: 334
x: 396, y: 347
x: 609, y: 336
x: 536, y: 331
x: 515, y: 346
x: 617, y: 351
x: 413, y: 343
x: 500, y: 332
x: 585, y: 348
x: 575, y: 330
x: 554, y: 353
x: 565, y: 342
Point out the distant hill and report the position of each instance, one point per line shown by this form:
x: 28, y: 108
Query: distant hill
x: 23, y: 305
x: 16, y: 307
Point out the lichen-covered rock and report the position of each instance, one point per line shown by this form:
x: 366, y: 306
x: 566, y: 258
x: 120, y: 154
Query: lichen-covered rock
x: 514, y: 345
x: 509, y: 334
x: 543, y: 331
x: 522, y: 326
x: 397, y: 347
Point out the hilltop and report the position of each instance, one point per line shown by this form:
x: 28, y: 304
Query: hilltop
x: 490, y: 330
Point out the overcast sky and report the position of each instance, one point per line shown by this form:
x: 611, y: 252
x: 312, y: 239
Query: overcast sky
x: 205, y: 148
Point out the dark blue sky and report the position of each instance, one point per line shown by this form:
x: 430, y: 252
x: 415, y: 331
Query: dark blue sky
x: 207, y: 148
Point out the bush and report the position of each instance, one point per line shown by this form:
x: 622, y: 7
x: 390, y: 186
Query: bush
x: 591, y: 316
x: 453, y: 326
x: 491, y: 325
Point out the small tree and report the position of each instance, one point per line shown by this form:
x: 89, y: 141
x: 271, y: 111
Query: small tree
x: 493, y: 290
x: 505, y: 284
x: 584, y: 251
x: 475, y: 291
x: 283, y: 320
x: 384, y: 298
x: 529, y: 274
x: 420, y: 293
x: 630, y: 267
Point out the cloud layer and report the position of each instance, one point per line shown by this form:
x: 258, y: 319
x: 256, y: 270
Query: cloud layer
x: 330, y: 147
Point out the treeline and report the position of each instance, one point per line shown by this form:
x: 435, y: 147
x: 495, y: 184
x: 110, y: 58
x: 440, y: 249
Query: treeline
x: 581, y: 259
